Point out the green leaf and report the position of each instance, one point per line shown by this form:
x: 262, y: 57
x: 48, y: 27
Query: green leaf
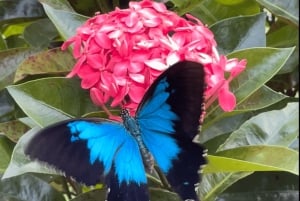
x: 7, y: 106
x: 261, y: 98
x: 158, y: 194
x: 66, y: 22
x: 97, y: 194
x: 28, y: 187
x: 20, y: 163
x: 259, y: 70
x: 286, y: 36
x: 20, y: 9
x: 50, y: 61
x: 6, y: 148
x: 40, y: 33
x: 286, y: 9
x: 266, y: 186
x: 210, y: 12
x: 262, y: 65
x: 9, y: 62
x: 13, y: 129
x: 277, y: 127
x: 3, y: 45
x: 254, y: 158
x: 240, y: 32
x: 62, y: 99
x: 212, y: 185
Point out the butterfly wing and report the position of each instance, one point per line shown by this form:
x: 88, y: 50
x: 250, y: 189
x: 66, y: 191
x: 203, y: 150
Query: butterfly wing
x: 93, y: 150
x: 169, y: 119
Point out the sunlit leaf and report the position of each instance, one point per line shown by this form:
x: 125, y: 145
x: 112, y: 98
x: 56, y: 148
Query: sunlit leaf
x: 49, y: 100
x: 254, y: 158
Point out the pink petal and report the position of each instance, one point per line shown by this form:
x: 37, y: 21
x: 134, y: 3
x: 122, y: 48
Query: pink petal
x: 95, y: 61
x: 227, y: 100
x: 77, y: 66
x: 156, y: 64
x: 136, y: 93
x: 154, y: 22
x: 120, y: 96
x: 132, y: 19
x: 96, y: 96
x: 140, y: 78
x: 90, y: 80
x: 103, y: 40
x: 136, y: 67
x: 120, y: 69
x: 173, y: 58
x: 236, y: 67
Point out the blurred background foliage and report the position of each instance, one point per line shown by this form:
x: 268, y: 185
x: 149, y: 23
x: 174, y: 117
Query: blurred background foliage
x: 253, y: 151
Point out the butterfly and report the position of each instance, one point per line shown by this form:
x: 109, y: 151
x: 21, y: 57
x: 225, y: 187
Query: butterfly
x: 93, y: 150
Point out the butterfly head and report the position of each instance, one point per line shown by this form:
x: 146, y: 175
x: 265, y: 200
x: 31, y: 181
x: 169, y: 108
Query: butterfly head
x: 124, y: 114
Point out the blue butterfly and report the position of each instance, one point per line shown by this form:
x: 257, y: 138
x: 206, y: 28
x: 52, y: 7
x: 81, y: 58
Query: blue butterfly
x: 120, y: 154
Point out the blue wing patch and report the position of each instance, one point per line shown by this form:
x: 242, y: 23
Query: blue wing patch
x: 108, y: 142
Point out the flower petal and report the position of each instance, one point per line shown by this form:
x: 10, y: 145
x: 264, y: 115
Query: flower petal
x: 227, y: 100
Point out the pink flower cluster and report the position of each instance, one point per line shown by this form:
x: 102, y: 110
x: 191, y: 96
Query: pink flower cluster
x: 119, y: 54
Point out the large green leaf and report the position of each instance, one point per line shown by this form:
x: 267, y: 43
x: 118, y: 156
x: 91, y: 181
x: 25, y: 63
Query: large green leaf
x: 213, y: 185
x: 40, y: 33
x: 254, y: 158
x: 20, y: 163
x: 286, y: 9
x: 50, y: 61
x: 20, y: 9
x: 277, y: 127
x: 13, y: 129
x: 9, y: 62
x: 266, y: 186
x: 229, y: 122
x: 286, y: 36
x: 62, y: 99
x: 66, y: 22
x: 210, y: 12
x: 261, y: 98
x: 28, y: 188
x: 239, y: 33
x: 262, y: 65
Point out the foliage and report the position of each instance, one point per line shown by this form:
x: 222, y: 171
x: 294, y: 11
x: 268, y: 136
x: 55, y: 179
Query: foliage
x: 252, y: 151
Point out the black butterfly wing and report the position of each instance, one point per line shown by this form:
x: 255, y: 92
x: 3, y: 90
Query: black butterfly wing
x: 94, y: 150
x: 53, y: 145
x: 169, y: 119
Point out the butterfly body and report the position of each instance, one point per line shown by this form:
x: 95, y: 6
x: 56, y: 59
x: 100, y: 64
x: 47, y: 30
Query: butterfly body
x: 119, y: 154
